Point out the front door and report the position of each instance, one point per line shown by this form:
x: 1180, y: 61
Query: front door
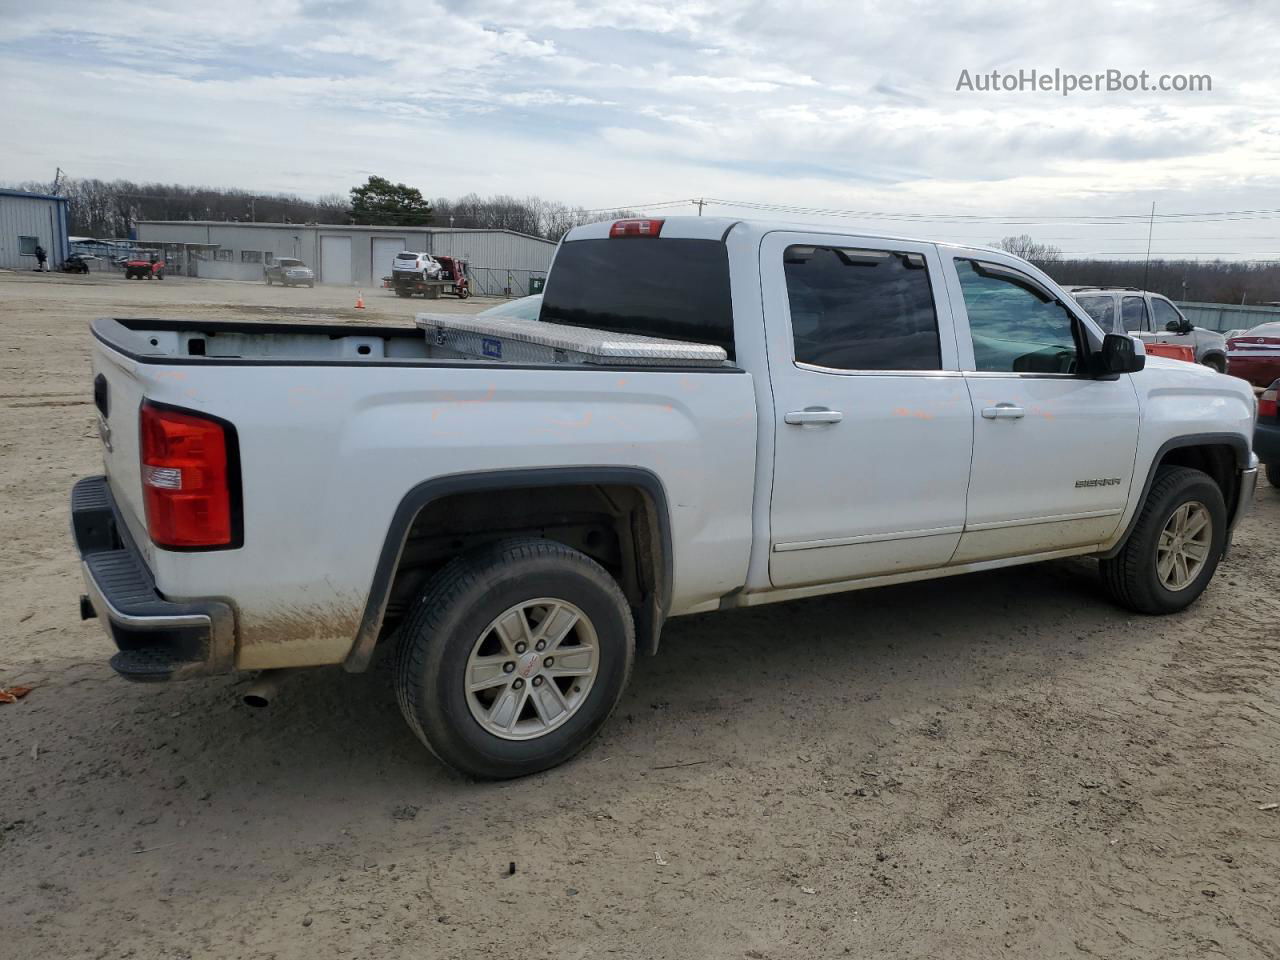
x: 873, y: 428
x: 1053, y: 451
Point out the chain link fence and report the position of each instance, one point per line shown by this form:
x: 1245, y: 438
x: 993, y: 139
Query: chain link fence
x: 503, y: 282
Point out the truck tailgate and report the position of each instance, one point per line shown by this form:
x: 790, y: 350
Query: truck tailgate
x: 118, y: 390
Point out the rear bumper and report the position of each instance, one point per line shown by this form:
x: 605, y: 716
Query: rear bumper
x: 1259, y: 371
x: 1266, y: 441
x: 157, y: 639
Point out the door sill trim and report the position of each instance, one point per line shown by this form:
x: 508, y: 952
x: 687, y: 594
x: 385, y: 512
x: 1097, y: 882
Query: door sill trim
x: 867, y: 538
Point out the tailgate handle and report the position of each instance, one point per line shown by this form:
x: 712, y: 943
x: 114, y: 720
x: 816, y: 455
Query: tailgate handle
x: 100, y: 394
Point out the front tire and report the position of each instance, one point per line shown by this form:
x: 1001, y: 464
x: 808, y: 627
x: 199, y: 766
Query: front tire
x: 472, y: 674
x: 1174, y: 548
x: 1216, y: 363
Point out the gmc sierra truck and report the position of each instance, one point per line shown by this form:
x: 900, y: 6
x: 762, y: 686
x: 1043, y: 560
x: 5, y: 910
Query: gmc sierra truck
x: 706, y: 415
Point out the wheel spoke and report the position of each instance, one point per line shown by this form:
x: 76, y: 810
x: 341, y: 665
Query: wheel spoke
x: 549, y: 702
x: 1165, y: 567
x: 557, y: 626
x: 506, y: 709
x: 486, y: 672
x: 512, y: 628
x: 1198, y: 522
x: 572, y: 662
x: 1195, y: 550
x: 1181, y: 565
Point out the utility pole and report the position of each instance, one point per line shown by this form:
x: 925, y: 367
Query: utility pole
x: 57, y: 181
x: 1151, y: 226
x: 698, y: 204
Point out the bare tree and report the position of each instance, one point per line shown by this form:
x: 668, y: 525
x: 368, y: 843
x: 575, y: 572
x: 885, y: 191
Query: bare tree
x: 1028, y: 249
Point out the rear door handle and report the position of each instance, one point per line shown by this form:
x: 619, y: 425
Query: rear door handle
x: 813, y: 415
x: 1003, y: 411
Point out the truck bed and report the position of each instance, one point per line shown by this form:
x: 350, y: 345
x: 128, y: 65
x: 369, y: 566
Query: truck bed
x: 151, y: 340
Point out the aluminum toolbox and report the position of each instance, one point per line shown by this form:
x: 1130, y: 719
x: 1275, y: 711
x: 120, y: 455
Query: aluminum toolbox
x: 532, y: 341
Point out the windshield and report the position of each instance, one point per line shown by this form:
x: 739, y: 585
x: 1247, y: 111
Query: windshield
x: 675, y: 289
x: 526, y: 308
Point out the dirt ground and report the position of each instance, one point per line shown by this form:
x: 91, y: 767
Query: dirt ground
x: 997, y: 765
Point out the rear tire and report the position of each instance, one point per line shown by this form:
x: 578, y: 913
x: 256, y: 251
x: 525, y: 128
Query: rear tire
x: 528, y: 586
x: 1140, y: 577
x: 1216, y: 363
x: 1273, y: 474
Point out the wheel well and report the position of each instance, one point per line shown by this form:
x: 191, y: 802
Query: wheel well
x: 617, y: 525
x: 1217, y: 460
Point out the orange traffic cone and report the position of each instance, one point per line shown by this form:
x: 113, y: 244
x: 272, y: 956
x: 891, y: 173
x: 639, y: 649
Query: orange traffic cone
x: 359, y: 299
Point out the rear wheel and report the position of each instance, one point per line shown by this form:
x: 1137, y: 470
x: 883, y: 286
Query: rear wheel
x: 1216, y: 362
x: 1174, y: 548
x: 1273, y: 474
x: 514, y: 658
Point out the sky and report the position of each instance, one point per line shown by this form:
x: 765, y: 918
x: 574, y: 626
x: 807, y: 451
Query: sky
x: 801, y: 108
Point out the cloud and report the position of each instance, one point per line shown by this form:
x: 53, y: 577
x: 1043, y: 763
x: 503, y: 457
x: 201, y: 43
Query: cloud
x: 815, y: 102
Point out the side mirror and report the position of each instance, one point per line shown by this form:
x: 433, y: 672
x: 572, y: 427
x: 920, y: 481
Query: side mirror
x: 1121, y: 354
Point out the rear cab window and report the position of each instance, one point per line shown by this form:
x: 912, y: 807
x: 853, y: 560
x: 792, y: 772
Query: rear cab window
x: 673, y: 288
x: 861, y: 309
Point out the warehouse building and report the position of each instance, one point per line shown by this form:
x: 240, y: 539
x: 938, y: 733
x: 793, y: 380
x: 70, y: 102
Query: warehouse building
x: 30, y: 220
x: 500, y: 261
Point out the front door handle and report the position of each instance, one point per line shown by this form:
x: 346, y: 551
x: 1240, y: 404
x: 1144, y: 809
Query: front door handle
x: 813, y: 415
x: 1003, y: 411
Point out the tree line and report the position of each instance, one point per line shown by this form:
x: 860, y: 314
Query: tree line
x: 1207, y: 281
x: 110, y: 209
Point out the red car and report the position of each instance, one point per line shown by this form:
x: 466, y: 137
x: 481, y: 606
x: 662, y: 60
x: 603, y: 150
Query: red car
x: 1266, y: 435
x: 144, y: 268
x: 1255, y: 355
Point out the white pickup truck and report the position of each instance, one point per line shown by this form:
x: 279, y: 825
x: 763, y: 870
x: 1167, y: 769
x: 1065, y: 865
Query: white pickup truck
x: 519, y: 517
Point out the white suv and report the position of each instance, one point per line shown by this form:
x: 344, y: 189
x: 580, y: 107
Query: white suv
x: 422, y: 266
x: 1153, y: 318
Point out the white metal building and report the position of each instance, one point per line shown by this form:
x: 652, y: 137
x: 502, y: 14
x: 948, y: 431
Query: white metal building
x: 28, y: 220
x: 499, y: 260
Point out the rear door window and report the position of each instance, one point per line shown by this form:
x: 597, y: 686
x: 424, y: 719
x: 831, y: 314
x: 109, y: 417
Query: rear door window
x: 677, y: 289
x: 856, y: 309
x: 1102, y: 309
x: 1133, y: 310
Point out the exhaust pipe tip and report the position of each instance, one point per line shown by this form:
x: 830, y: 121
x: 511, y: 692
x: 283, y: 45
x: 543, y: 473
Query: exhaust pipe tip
x: 263, y: 689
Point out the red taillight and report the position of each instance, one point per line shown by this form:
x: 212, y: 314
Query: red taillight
x: 636, y: 228
x: 186, y: 479
x: 1267, y: 402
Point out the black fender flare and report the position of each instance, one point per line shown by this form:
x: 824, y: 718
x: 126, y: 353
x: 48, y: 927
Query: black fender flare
x: 1238, y: 443
x: 649, y: 620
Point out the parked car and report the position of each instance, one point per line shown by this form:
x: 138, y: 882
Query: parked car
x: 415, y: 266
x: 144, y: 268
x: 1255, y: 354
x: 517, y: 506
x: 1153, y: 318
x: 523, y: 308
x: 290, y: 272
x: 1266, y: 435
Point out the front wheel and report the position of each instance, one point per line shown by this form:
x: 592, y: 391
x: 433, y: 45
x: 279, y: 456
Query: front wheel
x: 514, y: 658
x: 1215, y: 363
x: 1174, y: 548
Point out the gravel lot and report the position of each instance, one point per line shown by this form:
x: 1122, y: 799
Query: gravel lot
x: 997, y: 765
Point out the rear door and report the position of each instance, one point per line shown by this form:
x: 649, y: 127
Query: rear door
x: 873, y: 426
x: 1053, y: 449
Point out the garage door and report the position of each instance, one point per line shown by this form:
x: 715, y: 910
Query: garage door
x: 384, y: 251
x: 335, y: 260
